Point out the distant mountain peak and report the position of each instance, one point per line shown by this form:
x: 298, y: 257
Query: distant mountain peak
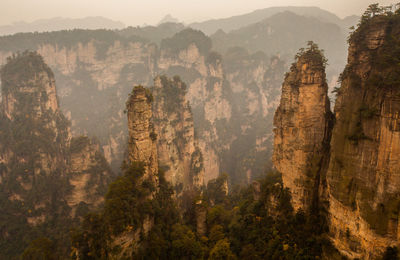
x: 168, y: 19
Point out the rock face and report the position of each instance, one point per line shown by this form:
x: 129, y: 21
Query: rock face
x: 43, y: 175
x: 178, y: 149
x: 302, y: 127
x: 363, y: 175
x: 142, y: 149
x: 142, y: 138
x: 89, y: 173
x: 357, y: 170
x: 29, y: 102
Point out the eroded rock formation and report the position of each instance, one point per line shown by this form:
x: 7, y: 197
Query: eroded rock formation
x: 358, y: 173
x: 30, y: 107
x: 43, y: 178
x: 302, y: 127
x: 363, y: 176
x: 142, y: 137
x: 178, y: 149
x: 89, y: 173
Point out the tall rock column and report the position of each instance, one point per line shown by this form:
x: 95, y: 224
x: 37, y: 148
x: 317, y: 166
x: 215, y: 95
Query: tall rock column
x: 302, y: 123
x: 364, y: 169
x: 177, y: 146
x: 142, y: 138
x: 30, y: 105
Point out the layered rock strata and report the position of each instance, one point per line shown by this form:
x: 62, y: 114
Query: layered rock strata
x: 363, y: 176
x: 358, y: 173
x: 302, y: 131
x: 142, y: 137
x: 178, y: 149
x: 44, y: 177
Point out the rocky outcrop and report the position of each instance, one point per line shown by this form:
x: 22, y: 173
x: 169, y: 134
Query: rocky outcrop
x: 357, y: 171
x: 30, y: 104
x: 302, y: 127
x: 363, y: 176
x: 44, y: 177
x: 178, y: 150
x: 89, y: 174
x: 142, y: 149
x: 142, y: 137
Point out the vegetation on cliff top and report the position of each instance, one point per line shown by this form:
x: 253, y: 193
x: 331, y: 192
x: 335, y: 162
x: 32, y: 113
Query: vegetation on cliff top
x: 20, y: 68
x: 312, y: 55
x: 385, y: 60
x: 34, y: 186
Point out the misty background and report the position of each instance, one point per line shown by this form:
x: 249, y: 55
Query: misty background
x: 138, y: 13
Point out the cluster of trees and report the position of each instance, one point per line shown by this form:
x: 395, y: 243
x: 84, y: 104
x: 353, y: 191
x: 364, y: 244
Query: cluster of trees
x: 25, y: 65
x: 375, y: 10
x: 312, y: 53
x: 385, y: 60
x: 256, y: 222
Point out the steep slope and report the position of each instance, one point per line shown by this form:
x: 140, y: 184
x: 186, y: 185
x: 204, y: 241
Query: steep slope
x: 363, y: 172
x: 89, y: 175
x: 44, y: 180
x: 302, y: 127
x: 357, y: 172
x: 29, y: 100
x: 142, y: 138
x: 177, y: 145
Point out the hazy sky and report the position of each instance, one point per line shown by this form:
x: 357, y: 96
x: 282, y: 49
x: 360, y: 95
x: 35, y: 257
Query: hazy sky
x: 135, y: 12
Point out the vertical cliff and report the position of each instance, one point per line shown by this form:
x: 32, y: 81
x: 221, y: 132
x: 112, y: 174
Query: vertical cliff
x: 142, y: 137
x: 178, y: 149
x: 89, y: 175
x: 30, y: 104
x: 45, y: 182
x: 363, y: 176
x: 302, y: 127
x: 139, y: 184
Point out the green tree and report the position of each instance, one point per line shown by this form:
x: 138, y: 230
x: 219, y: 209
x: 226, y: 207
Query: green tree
x: 221, y: 251
x: 216, y: 234
x: 184, y: 243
